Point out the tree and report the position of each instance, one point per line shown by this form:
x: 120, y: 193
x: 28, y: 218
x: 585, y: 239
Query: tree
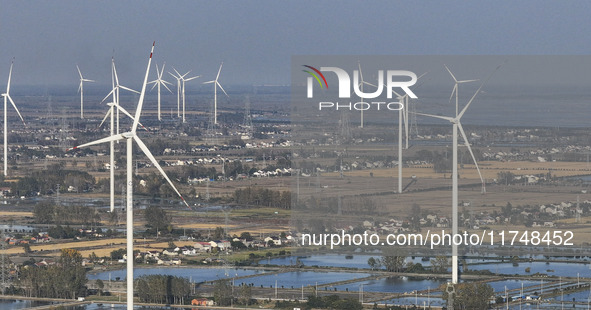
x: 100, y: 286
x: 440, y: 264
x: 393, y: 263
x: 245, y: 294
x: 374, y: 263
x: 222, y: 292
x: 473, y: 296
x: 218, y: 233
x: 156, y: 218
x: 505, y: 177
x: 43, y: 212
x: 415, y: 217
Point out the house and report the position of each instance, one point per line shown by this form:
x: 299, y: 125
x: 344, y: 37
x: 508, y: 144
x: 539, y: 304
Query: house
x: 202, y: 302
x: 202, y: 246
x: 188, y: 251
x: 171, y: 252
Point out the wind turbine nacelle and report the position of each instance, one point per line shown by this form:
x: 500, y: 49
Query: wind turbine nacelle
x: 344, y: 85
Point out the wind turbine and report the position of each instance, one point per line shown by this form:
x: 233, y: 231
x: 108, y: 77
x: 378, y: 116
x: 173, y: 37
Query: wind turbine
x: 130, y: 137
x: 360, y: 87
x: 406, y: 104
x: 81, y: 90
x: 6, y: 96
x: 178, y: 93
x: 159, y: 81
x: 115, y: 90
x: 110, y: 112
x: 215, y: 94
x: 455, y: 125
x: 401, y: 118
x: 182, y: 78
x: 456, y: 89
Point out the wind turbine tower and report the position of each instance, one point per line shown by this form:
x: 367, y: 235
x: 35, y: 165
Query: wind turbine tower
x: 81, y: 90
x: 7, y: 98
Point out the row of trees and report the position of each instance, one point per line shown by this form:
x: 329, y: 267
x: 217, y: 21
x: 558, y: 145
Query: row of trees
x: 48, y: 213
x: 396, y: 263
x: 259, y: 196
x: 46, y: 181
x: 163, y: 289
x: 66, y: 279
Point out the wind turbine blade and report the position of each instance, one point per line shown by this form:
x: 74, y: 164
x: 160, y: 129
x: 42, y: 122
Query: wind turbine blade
x: 453, y: 91
x: 9, y: 77
x: 129, y: 115
x: 209, y: 82
x: 138, y: 112
x: 360, y: 73
x: 115, y: 73
x: 129, y: 89
x: 470, y: 150
x: 220, y: 85
x: 434, y: 116
x: 183, y: 76
x: 177, y: 73
x: 87, y: 80
x: 79, y: 87
x: 452, y: 75
x: 477, y: 91
x: 467, y: 81
x: 163, y: 84
x: 186, y: 80
x: 174, y: 76
x: 146, y: 151
x: 106, y: 116
x: 157, y: 71
x: 99, y: 141
x: 153, y: 82
x: 14, y: 105
x: 107, y: 96
x: 80, y: 73
x: 219, y: 70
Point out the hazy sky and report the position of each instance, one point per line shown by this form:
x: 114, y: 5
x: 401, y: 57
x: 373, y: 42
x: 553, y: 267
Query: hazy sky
x: 256, y: 39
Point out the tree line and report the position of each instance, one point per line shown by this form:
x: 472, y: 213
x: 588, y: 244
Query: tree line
x: 163, y: 289
x: 65, y: 279
x: 258, y: 196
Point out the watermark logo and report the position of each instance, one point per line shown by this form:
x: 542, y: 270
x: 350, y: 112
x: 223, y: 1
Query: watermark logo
x: 344, y: 82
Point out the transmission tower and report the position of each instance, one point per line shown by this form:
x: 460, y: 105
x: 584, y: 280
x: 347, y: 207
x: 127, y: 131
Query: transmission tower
x: 63, y: 144
x: 211, y: 134
x: 247, y: 124
x: 344, y: 127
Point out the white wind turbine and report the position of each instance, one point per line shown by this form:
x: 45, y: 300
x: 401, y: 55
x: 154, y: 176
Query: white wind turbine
x: 455, y: 125
x: 115, y: 91
x: 81, y: 90
x: 215, y: 94
x: 110, y: 112
x: 455, y: 91
x: 406, y: 105
x: 7, y: 97
x: 360, y: 84
x: 402, y: 116
x: 183, y: 79
x: 159, y: 81
x: 178, y: 93
x: 130, y: 137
